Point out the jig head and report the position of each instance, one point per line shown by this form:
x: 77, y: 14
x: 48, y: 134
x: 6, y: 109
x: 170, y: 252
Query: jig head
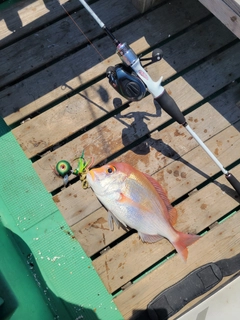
x: 64, y: 169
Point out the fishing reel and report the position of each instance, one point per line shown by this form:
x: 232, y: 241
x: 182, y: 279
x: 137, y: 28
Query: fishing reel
x: 124, y: 80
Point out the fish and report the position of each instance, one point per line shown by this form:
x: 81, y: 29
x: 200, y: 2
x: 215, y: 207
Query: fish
x: 136, y: 200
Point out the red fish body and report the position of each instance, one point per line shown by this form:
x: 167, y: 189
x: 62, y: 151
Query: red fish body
x: 138, y: 201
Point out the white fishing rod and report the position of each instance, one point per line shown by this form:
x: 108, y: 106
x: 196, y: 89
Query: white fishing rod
x: 132, y: 81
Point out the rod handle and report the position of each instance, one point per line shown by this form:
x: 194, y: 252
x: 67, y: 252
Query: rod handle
x: 234, y: 182
x: 169, y: 105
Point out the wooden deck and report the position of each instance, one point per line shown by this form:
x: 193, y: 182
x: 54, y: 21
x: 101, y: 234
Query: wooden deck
x: 57, y: 101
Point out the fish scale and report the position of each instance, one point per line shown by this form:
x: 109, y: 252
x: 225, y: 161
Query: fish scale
x: 138, y: 201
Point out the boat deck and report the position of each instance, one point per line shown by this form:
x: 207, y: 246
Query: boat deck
x: 57, y: 101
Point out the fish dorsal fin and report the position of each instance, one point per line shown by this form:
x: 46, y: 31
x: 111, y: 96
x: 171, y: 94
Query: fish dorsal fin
x: 172, y: 212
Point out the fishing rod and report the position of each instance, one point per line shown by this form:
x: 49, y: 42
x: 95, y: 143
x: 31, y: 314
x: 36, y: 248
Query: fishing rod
x: 132, y: 81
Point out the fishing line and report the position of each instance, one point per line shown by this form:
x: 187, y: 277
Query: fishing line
x: 82, y: 32
x: 132, y: 81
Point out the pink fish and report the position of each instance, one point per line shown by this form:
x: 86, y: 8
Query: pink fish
x: 138, y: 201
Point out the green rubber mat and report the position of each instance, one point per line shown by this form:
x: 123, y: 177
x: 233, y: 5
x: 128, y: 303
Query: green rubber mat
x: 37, y: 239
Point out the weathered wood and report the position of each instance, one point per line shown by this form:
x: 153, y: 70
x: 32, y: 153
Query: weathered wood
x: 64, y: 120
x: 170, y: 155
x: 162, y: 148
x: 226, y: 13
x: 206, y: 81
x: 179, y: 178
x: 132, y: 251
x: 35, y: 92
x: 95, y: 142
x: 220, y: 242
x: 144, y: 5
x: 73, y: 149
x: 38, y: 49
x: 23, y: 17
x: 234, y: 5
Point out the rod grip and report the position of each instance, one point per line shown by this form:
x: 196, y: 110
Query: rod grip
x: 169, y: 105
x: 234, y: 182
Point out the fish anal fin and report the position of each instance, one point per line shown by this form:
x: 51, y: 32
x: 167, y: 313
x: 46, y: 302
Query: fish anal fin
x: 172, y: 212
x: 149, y: 238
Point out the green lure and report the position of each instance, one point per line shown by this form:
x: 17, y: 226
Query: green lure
x: 82, y: 165
x: 63, y: 168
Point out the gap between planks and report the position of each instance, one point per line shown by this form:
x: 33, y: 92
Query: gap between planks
x: 60, y: 39
x: 184, y: 95
x: 23, y: 17
x: 221, y: 242
x: 131, y: 257
x: 52, y: 83
x: 172, y: 143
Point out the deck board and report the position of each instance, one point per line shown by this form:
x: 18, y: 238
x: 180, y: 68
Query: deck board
x: 70, y: 105
x: 68, y: 74
x: 138, y: 295
x: 171, y: 149
x: 51, y: 43
x: 131, y: 257
x: 176, y: 185
x: 23, y: 18
x: 205, y: 76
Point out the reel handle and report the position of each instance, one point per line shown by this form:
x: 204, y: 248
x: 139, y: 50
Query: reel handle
x: 169, y: 105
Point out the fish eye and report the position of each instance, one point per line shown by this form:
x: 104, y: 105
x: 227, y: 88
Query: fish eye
x: 111, y: 169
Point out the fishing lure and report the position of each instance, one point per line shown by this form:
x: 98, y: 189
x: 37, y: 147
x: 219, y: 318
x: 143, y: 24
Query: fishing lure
x: 81, y: 170
x: 64, y: 170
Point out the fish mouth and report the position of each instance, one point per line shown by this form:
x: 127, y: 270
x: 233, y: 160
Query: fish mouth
x: 92, y: 175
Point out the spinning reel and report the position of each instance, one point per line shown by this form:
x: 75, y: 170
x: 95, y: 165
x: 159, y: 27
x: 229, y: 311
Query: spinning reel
x: 132, y: 81
x: 122, y: 77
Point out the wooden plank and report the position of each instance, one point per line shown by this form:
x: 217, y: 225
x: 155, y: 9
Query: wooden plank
x: 229, y: 17
x: 54, y: 41
x: 165, y: 147
x: 95, y: 142
x: 73, y: 115
x: 23, y: 17
x: 35, y: 92
x: 234, y: 5
x: 144, y: 5
x: 220, y: 242
x: 208, y: 73
x: 178, y: 178
x: 130, y: 253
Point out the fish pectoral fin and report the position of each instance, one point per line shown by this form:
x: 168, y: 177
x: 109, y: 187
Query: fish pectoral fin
x: 112, y: 219
x: 129, y: 202
x: 149, y: 238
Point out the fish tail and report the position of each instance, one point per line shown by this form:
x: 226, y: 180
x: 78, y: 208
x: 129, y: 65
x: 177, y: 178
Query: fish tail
x: 184, y: 240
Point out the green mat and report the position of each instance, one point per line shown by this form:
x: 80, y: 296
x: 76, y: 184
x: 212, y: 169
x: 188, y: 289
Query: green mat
x: 53, y: 277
